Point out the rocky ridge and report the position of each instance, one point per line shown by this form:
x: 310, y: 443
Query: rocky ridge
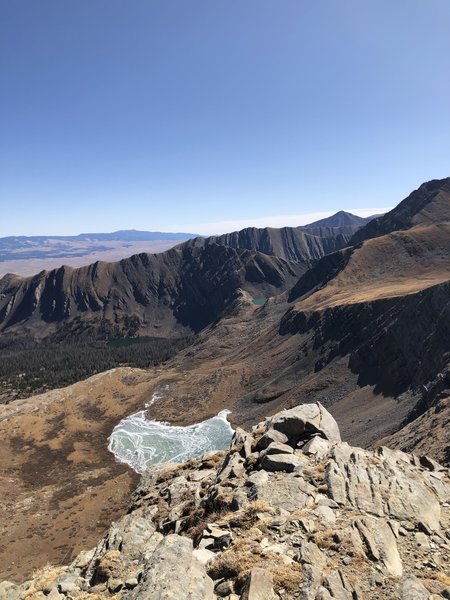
x: 289, y: 512
x: 302, y: 244
x: 181, y: 290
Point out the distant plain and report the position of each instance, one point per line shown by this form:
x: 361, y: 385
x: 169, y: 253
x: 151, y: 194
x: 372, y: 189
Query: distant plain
x: 80, y: 253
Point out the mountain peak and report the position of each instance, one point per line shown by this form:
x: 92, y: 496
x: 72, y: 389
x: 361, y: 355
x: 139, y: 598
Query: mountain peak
x: 341, y: 219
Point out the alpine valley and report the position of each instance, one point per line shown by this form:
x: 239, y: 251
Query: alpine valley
x: 337, y: 329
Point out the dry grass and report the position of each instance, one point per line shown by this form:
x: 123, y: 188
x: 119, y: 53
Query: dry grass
x: 197, y: 520
x: 237, y: 562
x: 442, y: 578
x: 248, y: 516
x: 43, y: 580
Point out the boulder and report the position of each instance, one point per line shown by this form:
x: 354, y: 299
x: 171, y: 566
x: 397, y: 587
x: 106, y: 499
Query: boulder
x: 259, y: 586
x: 9, y: 591
x: 305, y: 420
x: 277, y: 448
x: 280, y: 462
x: 411, y: 588
x: 336, y: 586
x: 317, y: 446
x: 173, y: 572
x: 269, y: 437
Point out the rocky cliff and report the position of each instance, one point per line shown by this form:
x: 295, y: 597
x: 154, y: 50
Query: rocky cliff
x: 289, y: 512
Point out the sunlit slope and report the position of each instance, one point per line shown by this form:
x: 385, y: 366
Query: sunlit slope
x: 397, y: 264
x: 400, y: 253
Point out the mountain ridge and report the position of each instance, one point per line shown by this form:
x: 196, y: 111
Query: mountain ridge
x: 181, y: 288
x: 304, y: 243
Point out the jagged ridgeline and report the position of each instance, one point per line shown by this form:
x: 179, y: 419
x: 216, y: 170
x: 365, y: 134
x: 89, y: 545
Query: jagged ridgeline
x: 182, y: 289
x: 179, y: 291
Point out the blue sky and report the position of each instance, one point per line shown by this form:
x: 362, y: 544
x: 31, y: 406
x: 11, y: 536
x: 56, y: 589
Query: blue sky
x: 207, y: 116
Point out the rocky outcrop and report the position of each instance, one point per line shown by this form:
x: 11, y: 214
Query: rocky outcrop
x: 343, y: 523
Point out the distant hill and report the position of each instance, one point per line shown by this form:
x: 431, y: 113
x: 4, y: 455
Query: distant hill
x: 298, y: 244
x: 26, y: 255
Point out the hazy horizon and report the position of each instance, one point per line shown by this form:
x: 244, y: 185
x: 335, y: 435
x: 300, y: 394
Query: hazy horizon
x: 205, y: 116
x: 210, y: 229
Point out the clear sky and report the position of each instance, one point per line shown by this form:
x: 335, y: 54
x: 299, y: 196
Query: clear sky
x: 208, y: 115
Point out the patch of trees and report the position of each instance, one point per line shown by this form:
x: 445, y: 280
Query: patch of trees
x: 28, y: 368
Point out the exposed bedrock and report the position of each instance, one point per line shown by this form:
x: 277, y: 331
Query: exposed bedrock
x: 330, y: 521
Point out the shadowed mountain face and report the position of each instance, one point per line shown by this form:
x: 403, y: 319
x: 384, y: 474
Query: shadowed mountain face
x: 182, y: 289
x: 185, y: 288
x: 297, y: 244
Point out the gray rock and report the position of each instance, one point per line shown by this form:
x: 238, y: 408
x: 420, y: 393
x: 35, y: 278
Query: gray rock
x: 243, y: 442
x: 277, y: 448
x: 203, y: 555
x: 83, y: 559
x: 224, y: 589
x: 410, y: 588
x: 174, y: 572
x: 422, y: 539
x: 430, y: 464
x: 338, y: 587
x: 381, y: 544
x: 68, y: 583
x: 257, y: 478
x: 269, y: 437
x: 259, y: 586
x: 383, y: 483
x: 309, y: 553
x: 115, y: 585
x: 53, y: 595
x: 288, y: 493
x: 280, y: 462
x: 131, y: 582
x: 306, y: 419
x: 317, y: 447
x: 325, y: 515
x: 232, y: 467
x: 9, y: 591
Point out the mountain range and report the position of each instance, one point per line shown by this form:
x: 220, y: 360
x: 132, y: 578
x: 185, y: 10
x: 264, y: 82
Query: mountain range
x: 188, y: 286
x: 362, y: 328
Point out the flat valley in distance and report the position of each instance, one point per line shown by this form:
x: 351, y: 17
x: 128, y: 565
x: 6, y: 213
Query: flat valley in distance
x: 27, y: 255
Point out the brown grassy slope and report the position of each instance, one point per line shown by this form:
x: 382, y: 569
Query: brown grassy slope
x: 60, y: 487
x: 427, y: 434
x: 396, y: 264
